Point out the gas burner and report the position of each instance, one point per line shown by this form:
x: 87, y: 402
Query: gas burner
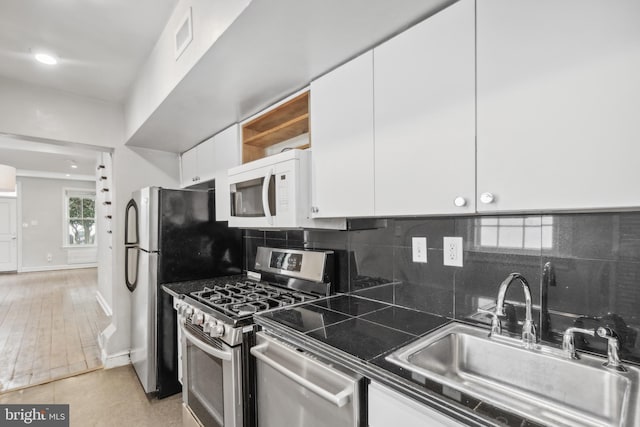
x: 242, y: 299
x: 248, y: 308
x: 223, y: 301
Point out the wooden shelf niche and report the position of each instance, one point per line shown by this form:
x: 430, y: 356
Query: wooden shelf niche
x: 285, y: 122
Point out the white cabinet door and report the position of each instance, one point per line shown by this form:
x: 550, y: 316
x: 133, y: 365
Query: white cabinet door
x: 342, y: 140
x: 424, y: 92
x: 558, y: 104
x: 189, y: 167
x: 217, y: 154
x: 226, y: 149
x: 390, y: 408
x: 205, y: 160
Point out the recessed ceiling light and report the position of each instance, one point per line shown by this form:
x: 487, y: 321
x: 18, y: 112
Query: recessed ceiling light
x: 68, y: 174
x: 74, y: 166
x: 45, y: 58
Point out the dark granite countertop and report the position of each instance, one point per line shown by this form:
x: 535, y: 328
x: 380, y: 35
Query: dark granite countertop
x: 359, y: 333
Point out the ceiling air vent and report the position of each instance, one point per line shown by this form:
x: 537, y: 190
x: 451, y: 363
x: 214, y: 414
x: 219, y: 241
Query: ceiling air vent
x: 184, y: 35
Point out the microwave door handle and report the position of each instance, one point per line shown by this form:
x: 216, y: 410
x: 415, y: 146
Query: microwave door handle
x: 265, y: 196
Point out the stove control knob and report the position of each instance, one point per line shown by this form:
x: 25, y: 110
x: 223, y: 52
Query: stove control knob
x: 217, y: 330
x: 188, y: 311
x: 182, y: 308
x: 208, y: 326
x: 198, y: 318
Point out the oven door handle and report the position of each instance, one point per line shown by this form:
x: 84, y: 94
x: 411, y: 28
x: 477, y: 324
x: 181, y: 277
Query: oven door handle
x: 212, y: 351
x: 265, y: 196
x: 339, y: 399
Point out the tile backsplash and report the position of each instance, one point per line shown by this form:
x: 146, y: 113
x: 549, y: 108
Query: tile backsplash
x: 589, y: 265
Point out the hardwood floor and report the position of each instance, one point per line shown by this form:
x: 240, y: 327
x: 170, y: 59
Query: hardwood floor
x: 49, y: 326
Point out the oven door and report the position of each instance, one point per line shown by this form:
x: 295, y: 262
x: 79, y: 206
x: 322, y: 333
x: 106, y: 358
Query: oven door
x: 212, y: 378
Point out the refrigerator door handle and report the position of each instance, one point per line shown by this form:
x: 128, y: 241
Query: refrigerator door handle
x: 131, y: 206
x: 131, y: 284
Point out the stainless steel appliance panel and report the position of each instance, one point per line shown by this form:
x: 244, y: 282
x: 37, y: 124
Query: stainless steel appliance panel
x: 212, y: 378
x: 143, y: 320
x: 295, y: 389
x: 146, y: 200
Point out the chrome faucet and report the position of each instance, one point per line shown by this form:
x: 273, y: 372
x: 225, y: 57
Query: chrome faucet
x: 548, y: 279
x: 528, y: 329
x: 568, y: 340
x: 613, y: 345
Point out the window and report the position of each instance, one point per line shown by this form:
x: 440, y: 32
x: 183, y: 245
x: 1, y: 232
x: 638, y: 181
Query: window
x: 80, y: 217
x: 521, y: 234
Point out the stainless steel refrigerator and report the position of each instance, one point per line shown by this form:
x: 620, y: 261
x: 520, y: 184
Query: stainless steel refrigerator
x: 170, y: 236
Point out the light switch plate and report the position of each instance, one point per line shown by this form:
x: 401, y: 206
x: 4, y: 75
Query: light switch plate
x: 419, y: 249
x: 452, y: 251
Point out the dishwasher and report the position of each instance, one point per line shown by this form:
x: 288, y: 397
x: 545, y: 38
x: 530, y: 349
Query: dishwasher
x: 296, y: 388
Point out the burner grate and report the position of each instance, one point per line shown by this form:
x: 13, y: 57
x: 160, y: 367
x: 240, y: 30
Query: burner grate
x: 244, y: 298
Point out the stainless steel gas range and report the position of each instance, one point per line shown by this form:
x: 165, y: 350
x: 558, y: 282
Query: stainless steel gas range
x: 217, y: 330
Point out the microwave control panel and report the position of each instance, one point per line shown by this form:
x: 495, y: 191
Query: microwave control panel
x: 282, y: 182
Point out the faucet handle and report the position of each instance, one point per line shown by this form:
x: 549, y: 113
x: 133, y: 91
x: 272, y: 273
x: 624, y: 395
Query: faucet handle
x: 496, y: 327
x: 613, y: 345
x: 568, y: 342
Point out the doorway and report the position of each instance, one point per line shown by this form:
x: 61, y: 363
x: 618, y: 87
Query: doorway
x: 8, y: 235
x: 50, y: 314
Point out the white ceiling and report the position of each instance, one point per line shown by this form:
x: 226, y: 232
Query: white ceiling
x: 53, y: 159
x: 100, y: 44
x: 274, y: 48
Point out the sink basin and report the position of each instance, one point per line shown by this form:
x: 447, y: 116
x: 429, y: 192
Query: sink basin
x: 540, y: 384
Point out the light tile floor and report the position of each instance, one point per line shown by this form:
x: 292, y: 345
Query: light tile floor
x: 111, y: 397
x: 49, y: 326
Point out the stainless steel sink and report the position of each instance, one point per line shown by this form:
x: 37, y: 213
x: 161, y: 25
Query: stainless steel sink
x: 540, y: 384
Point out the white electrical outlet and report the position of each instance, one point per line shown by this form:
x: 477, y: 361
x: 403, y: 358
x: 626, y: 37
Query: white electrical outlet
x: 452, y: 251
x: 419, y: 247
x: 49, y: 258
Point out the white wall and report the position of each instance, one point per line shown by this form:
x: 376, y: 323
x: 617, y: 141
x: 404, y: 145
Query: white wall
x: 105, y: 232
x: 31, y: 111
x: 47, y: 113
x: 133, y: 168
x: 42, y: 222
x: 162, y: 71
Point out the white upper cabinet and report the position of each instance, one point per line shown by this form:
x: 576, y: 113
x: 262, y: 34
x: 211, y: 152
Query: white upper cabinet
x: 558, y: 104
x: 226, y: 150
x: 217, y: 154
x: 424, y: 99
x: 189, y: 167
x: 341, y: 109
x: 206, y: 159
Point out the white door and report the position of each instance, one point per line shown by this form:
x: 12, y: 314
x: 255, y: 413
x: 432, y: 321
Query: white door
x: 8, y: 235
x: 342, y: 126
x: 424, y: 99
x: 558, y: 107
x: 189, y: 167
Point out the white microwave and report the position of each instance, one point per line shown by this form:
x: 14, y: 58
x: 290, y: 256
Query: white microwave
x: 275, y: 192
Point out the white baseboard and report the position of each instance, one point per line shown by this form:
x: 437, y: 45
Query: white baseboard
x: 55, y: 267
x: 115, y: 360
x: 103, y: 304
x: 111, y: 360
